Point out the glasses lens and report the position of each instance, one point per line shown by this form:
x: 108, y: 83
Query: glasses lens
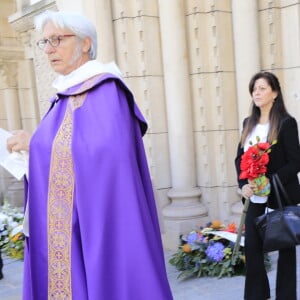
x: 54, y: 41
x: 41, y: 44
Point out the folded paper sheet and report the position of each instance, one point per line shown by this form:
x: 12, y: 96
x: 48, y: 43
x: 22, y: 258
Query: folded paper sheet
x: 15, y: 163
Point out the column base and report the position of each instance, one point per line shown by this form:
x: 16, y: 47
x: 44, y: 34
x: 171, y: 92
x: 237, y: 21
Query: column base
x: 15, y: 193
x: 182, y: 215
x: 237, y: 209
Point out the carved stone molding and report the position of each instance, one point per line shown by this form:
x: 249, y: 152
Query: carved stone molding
x: 23, y: 20
x: 11, y: 53
x: 8, y: 74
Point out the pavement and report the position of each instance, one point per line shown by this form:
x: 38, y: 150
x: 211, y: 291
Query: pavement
x: 227, y: 288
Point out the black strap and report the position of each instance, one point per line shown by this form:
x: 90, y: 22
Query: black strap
x: 278, y: 187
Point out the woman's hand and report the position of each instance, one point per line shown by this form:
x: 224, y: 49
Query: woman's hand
x: 248, y: 189
x: 19, y: 141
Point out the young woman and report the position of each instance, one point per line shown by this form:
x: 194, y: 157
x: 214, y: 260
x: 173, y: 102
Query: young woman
x: 270, y: 121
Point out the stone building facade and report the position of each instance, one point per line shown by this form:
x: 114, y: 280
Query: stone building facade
x: 188, y: 63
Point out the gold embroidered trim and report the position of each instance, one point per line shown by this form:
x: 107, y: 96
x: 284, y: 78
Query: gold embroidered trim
x: 89, y: 83
x: 60, y: 207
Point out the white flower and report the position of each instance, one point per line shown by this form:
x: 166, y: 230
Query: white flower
x: 3, y: 217
x: 16, y: 230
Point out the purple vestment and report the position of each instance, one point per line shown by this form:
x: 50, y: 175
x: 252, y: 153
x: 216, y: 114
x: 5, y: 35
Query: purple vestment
x: 115, y: 243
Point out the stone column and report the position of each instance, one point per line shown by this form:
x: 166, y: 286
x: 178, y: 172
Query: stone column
x: 100, y: 12
x: 185, y: 209
x: 12, y: 109
x: 247, y: 59
x: 246, y: 48
x: 12, y: 189
x: 27, y: 85
x: 8, y: 85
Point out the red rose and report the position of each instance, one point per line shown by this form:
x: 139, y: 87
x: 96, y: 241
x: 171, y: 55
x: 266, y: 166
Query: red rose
x: 263, y: 146
x: 254, y: 161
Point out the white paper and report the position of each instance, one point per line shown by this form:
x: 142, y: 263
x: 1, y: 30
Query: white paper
x: 26, y: 220
x: 15, y: 163
x: 230, y: 236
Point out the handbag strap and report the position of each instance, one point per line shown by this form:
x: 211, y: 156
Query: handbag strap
x: 278, y: 187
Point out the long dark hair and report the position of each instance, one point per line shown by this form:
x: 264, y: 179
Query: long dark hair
x: 278, y: 110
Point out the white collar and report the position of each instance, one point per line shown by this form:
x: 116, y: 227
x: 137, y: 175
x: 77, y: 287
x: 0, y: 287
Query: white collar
x: 87, y: 70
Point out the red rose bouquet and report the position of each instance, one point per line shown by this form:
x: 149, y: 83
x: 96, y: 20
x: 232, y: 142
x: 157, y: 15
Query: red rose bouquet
x: 254, y: 166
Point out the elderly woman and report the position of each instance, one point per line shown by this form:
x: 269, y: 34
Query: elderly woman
x: 93, y: 230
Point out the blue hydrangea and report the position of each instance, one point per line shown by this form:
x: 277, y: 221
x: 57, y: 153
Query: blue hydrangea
x: 192, y: 237
x: 215, y: 251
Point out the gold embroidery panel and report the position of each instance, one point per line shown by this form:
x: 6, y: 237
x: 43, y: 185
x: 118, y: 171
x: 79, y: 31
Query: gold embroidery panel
x: 60, y: 207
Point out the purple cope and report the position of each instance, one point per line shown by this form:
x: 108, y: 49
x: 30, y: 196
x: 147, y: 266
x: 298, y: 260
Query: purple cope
x: 93, y: 225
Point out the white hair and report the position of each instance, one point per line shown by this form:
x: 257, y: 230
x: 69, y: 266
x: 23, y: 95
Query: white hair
x: 77, y: 23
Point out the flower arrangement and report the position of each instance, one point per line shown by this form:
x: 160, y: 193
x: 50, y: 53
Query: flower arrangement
x: 254, y: 166
x: 11, y: 231
x: 207, y: 251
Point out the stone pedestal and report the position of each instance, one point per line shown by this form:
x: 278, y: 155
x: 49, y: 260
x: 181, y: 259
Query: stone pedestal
x: 182, y: 215
x: 14, y: 192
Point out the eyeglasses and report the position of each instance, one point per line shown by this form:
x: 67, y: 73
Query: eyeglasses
x: 54, y: 41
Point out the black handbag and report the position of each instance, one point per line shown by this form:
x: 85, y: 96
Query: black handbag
x: 280, y: 228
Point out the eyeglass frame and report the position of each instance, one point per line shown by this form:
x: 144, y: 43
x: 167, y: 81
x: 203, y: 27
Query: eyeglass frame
x: 43, y: 42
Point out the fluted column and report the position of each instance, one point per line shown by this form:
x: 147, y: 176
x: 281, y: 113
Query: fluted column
x: 9, y: 89
x: 100, y: 12
x: 13, y: 189
x: 246, y: 48
x: 12, y: 108
x: 185, y: 209
x: 247, y: 59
